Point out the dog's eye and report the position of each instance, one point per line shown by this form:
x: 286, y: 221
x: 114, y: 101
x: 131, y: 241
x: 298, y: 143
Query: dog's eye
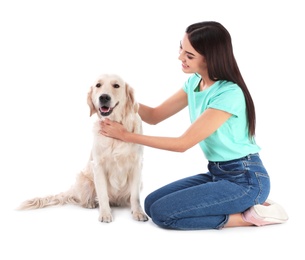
x: 116, y: 85
x: 98, y: 85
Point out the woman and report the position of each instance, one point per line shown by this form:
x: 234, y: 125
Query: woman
x: 234, y: 191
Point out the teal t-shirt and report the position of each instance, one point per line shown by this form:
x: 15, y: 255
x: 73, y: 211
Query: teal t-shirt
x: 230, y: 141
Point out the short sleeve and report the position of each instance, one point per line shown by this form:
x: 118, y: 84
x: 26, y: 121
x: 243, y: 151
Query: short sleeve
x: 231, y: 100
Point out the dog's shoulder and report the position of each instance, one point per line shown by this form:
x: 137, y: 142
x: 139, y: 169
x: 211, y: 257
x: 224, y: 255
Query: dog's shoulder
x: 133, y: 123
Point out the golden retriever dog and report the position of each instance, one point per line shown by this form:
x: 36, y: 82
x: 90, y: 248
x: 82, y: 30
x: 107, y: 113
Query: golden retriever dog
x: 112, y: 176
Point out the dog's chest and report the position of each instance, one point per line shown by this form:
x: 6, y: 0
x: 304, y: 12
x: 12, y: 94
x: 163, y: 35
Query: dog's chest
x: 106, y: 148
x: 111, y: 151
x: 111, y: 148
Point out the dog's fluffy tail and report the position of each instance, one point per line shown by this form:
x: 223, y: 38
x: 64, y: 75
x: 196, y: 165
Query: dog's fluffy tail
x: 59, y: 199
x: 82, y: 194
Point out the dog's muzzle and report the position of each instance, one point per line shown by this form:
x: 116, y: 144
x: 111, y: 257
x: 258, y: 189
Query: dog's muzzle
x: 105, y: 108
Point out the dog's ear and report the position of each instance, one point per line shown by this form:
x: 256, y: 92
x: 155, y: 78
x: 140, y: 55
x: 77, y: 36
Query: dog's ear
x: 131, y: 102
x: 90, y: 103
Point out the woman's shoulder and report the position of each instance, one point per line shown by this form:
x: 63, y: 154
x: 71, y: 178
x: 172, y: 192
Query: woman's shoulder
x: 194, y: 78
x: 226, y: 83
x: 192, y: 82
x: 227, y: 86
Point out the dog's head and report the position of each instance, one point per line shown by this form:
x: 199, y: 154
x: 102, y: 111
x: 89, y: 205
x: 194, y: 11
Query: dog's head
x: 110, y: 96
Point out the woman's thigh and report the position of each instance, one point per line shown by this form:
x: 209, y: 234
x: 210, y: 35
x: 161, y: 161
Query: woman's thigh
x: 175, y: 186
x: 212, y: 198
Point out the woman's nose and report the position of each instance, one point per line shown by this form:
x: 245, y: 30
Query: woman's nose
x: 180, y: 57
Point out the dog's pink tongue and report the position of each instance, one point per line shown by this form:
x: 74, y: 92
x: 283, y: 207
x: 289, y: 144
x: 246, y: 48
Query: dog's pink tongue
x: 104, y: 109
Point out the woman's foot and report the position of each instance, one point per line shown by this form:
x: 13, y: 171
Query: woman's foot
x: 265, y: 214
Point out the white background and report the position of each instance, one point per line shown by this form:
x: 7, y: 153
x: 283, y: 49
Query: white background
x: 50, y: 54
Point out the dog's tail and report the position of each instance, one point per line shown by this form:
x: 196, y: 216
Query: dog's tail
x: 82, y: 194
x: 42, y: 202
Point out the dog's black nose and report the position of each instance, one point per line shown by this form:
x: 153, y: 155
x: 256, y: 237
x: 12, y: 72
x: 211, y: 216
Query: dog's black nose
x: 104, y: 98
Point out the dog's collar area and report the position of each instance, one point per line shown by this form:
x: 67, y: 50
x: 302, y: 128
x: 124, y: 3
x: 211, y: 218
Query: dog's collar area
x: 106, y: 111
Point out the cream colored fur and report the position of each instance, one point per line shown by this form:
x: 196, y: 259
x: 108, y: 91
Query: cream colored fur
x: 112, y: 176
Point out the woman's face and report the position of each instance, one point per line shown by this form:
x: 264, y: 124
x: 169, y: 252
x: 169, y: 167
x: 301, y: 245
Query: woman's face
x: 192, y: 61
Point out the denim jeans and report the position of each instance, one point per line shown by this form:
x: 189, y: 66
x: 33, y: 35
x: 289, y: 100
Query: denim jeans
x: 205, y: 201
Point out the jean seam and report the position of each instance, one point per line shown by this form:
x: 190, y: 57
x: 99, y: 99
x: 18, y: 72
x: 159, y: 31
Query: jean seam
x: 259, y: 175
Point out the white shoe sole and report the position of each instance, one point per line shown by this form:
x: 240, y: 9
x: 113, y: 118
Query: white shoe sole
x: 273, y: 213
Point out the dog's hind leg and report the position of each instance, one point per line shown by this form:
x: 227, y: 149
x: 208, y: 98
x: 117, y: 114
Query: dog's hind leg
x: 84, y: 189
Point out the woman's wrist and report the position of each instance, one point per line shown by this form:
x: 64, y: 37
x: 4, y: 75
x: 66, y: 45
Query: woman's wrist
x: 125, y: 136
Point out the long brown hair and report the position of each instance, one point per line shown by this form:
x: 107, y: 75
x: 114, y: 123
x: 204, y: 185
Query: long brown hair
x: 213, y: 41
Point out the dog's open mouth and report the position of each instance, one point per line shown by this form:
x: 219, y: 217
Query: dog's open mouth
x: 106, y: 111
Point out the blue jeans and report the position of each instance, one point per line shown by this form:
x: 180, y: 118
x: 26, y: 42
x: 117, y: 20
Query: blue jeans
x: 205, y: 201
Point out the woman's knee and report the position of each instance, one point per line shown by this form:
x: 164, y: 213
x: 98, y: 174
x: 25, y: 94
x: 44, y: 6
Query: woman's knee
x: 147, y: 204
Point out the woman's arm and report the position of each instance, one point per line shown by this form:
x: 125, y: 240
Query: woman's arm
x: 168, y: 108
x: 203, y: 127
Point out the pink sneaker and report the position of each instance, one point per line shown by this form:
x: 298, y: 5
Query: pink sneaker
x: 266, y: 214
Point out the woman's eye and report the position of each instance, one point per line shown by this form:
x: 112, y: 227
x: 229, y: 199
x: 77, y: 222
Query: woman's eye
x: 98, y: 85
x: 189, y: 57
x: 116, y: 85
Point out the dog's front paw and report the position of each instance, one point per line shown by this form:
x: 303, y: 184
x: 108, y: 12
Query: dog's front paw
x: 139, y: 216
x: 105, y: 217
